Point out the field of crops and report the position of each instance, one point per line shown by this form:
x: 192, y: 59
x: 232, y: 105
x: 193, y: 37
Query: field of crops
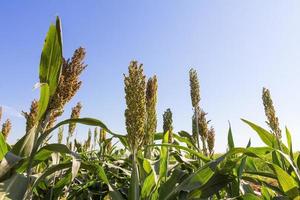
x: 145, y: 163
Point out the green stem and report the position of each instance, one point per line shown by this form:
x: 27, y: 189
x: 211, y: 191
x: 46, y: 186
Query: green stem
x: 134, y: 190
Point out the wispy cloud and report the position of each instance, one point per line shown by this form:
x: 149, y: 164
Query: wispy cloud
x: 10, y: 111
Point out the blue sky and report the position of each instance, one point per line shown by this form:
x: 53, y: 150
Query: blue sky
x: 237, y: 47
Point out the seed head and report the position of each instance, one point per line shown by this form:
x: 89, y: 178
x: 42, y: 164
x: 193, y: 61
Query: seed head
x: 272, y: 120
x: 168, y: 124
x: 31, y: 117
x: 102, y: 135
x: 202, y: 123
x: 6, y: 128
x: 194, y: 85
x: 109, y: 146
x: 151, y: 99
x: 211, y: 140
x: 69, y: 84
x: 74, y: 115
x: 135, y: 113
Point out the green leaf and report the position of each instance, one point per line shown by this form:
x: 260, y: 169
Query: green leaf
x: 3, y: 147
x: 52, y: 170
x: 85, y: 121
x: 189, y: 139
x: 112, y: 191
x: 164, y: 157
x: 167, y: 187
x: 230, y: 138
x: 148, y: 185
x: 268, y: 138
x: 263, y: 174
x: 44, y: 100
x: 266, y: 193
x: 250, y: 196
x: 215, y: 184
x: 45, y: 153
x: 197, y: 154
x: 51, y: 57
x: 289, y: 141
x: 25, y: 145
x: 147, y: 166
x: 286, y: 182
x: 264, y: 135
x: 186, y: 140
x: 198, y: 178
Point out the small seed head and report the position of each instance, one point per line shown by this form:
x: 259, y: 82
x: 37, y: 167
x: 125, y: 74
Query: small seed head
x: 6, y: 128
x: 31, y: 117
x: 102, y: 135
x: 74, y: 115
x: 211, y: 140
x: 202, y: 123
x: 272, y: 120
x: 195, y: 88
x: 168, y: 123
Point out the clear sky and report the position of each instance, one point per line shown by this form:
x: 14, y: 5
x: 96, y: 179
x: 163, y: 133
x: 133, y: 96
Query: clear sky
x: 237, y: 47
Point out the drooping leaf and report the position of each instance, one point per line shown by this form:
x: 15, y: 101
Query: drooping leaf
x: 85, y: 121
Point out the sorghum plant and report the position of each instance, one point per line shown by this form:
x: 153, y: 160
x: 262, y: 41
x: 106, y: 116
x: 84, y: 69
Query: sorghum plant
x: 6, y: 128
x: 31, y: 117
x: 211, y: 141
x: 68, y: 85
x: 74, y: 115
x: 195, y: 97
x: 135, y: 117
x: 168, y: 124
x: 202, y: 128
x: 151, y: 121
x: 135, y: 113
x: 272, y: 119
